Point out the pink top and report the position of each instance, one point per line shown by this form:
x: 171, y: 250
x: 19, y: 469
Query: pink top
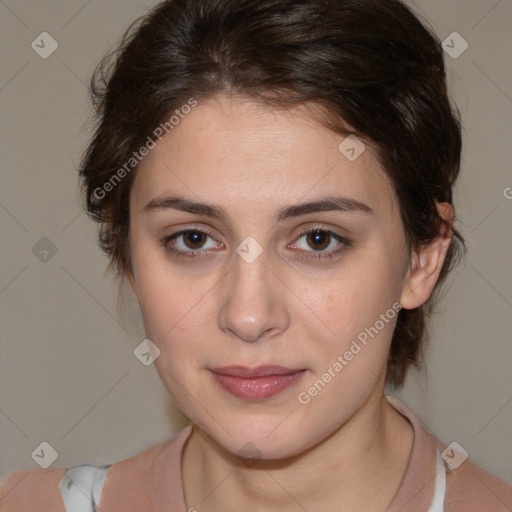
x: 151, y: 481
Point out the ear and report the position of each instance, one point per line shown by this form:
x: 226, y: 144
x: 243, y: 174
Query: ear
x: 426, y: 264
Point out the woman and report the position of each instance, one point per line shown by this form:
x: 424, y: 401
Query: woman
x: 275, y: 181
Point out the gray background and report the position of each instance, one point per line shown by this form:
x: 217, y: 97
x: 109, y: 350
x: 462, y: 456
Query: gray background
x: 68, y: 375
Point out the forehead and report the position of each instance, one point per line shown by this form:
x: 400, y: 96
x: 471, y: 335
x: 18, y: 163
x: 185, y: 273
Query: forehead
x: 239, y: 152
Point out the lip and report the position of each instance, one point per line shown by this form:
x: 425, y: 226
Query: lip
x: 259, y: 371
x: 257, y: 383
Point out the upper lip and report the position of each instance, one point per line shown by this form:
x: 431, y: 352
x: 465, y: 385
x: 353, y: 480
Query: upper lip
x: 259, y: 371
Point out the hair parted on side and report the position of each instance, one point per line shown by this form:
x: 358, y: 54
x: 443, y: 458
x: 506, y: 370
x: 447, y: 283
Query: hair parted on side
x: 370, y: 64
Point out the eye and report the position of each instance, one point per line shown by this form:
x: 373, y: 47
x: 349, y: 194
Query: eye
x: 190, y: 243
x: 315, y: 243
x: 321, y: 243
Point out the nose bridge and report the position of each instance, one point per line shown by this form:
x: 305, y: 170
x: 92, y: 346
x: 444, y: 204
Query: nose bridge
x: 252, y: 305
x: 251, y: 276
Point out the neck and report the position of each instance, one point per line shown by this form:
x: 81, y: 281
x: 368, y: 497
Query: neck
x: 369, y: 452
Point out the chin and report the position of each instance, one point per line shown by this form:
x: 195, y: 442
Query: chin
x: 253, y: 440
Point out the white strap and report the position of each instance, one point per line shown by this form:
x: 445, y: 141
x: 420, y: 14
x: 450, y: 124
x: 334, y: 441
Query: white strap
x: 81, y: 487
x: 440, y: 485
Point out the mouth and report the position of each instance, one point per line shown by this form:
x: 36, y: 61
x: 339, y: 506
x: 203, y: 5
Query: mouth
x: 259, y: 371
x: 257, y: 383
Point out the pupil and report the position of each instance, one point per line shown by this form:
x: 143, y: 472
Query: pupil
x: 318, y: 237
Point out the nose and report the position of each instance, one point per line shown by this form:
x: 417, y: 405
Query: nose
x: 254, y: 302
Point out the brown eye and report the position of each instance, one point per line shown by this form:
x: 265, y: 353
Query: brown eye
x: 194, y: 239
x: 318, y: 240
x: 190, y: 243
x: 320, y: 244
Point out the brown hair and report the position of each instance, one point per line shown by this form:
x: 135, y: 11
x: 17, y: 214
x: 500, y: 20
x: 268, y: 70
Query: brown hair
x: 369, y: 63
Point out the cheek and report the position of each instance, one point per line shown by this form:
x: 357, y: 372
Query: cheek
x: 177, y: 314
x: 348, y: 313
x: 355, y: 299
x: 174, y: 322
x: 169, y: 316
x: 167, y: 301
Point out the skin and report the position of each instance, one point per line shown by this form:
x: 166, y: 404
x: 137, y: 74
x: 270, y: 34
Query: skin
x: 289, y: 307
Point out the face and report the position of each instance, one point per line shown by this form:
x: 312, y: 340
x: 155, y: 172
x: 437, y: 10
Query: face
x: 257, y: 243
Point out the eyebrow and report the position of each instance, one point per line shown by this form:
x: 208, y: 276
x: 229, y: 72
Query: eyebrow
x: 330, y: 203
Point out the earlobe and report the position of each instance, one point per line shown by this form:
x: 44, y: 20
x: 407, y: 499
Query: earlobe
x: 426, y: 264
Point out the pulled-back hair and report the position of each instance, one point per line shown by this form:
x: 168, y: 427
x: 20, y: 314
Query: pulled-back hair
x: 370, y: 64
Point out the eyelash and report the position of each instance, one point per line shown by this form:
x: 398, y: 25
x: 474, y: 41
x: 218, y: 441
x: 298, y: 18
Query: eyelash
x: 345, y: 244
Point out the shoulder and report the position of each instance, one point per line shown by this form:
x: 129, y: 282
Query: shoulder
x: 465, y: 486
x: 150, y: 480
x: 49, y: 490
x: 470, y: 487
x: 21, y: 490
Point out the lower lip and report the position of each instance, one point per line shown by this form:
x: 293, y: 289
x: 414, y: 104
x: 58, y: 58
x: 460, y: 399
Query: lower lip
x: 256, y: 388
